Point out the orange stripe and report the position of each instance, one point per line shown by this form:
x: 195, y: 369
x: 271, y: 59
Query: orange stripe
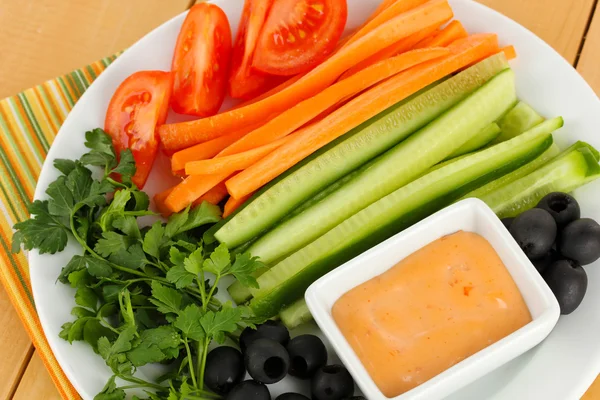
x: 44, y: 108
x: 63, y: 96
x: 28, y: 127
x: 15, y: 162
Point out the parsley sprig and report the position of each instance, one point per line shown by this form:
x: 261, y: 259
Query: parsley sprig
x: 143, y: 294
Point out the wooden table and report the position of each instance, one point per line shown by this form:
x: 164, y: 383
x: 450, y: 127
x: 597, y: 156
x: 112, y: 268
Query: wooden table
x: 41, y: 39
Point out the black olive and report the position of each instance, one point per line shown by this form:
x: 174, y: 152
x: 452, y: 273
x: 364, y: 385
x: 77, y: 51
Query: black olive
x: 354, y: 398
x: 568, y: 281
x: 224, y: 369
x: 267, y: 361
x: 580, y: 241
x: 535, y: 232
x: 307, y: 355
x: 507, y: 222
x: 332, y: 382
x: 249, y: 390
x: 291, y: 396
x: 544, y: 262
x: 273, y: 330
x: 563, y: 208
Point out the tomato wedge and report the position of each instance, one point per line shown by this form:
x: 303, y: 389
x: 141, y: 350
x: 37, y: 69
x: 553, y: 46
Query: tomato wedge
x: 201, y: 61
x: 299, y: 34
x: 139, y: 105
x: 244, y: 81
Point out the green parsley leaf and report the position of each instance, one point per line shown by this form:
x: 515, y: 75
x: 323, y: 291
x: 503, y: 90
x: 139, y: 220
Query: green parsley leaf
x: 176, y: 256
x: 154, y: 239
x: 79, y: 278
x: 132, y: 257
x: 193, y: 263
x: 216, y: 324
x: 98, y: 268
x: 179, y: 276
x: 81, y: 312
x: 205, y: 213
x: 126, y: 166
x: 76, y: 263
x: 93, y: 330
x: 79, y: 182
x: 61, y: 199
x: 128, y: 225
x: 101, y: 148
x: 219, y: 260
x: 115, y: 209
x: 65, y: 166
x: 189, y: 323
x: 76, y: 331
x: 111, y: 243
x: 155, y: 345
x: 110, y: 391
x: 43, y: 231
x: 86, y: 297
x: 243, y: 268
x: 166, y: 299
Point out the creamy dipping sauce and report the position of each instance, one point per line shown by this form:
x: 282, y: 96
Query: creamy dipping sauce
x: 433, y: 309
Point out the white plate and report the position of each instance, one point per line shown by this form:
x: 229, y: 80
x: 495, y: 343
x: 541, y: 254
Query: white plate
x: 562, y: 367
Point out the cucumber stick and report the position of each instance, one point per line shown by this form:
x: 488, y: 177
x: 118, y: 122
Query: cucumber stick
x: 296, y: 314
x: 286, y: 282
x: 484, y: 137
x: 575, y: 167
x: 350, y: 152
x: 518, y: 120
x: 393, y: 169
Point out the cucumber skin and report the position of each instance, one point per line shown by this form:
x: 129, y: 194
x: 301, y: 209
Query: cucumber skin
x: 393, y: 169
x: 296, y: 314
x: 287, y: 293
x: 482, y: 139
x: 497, y: 63
x: 518, y: 120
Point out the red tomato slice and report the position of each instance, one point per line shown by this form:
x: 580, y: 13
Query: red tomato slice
x: 201, y: 61
x: 299, y: 34
x: 139, y: 105
x: 244, y: 81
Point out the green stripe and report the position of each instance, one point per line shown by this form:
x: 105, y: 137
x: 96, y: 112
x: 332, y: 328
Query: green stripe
x: 19, y: 116
x: 34, y: 122
x: 7, y: 250
x: 91, y: 71
x: 15, y: 181
x: 23, y: 163
x: 11, y: 204
x: 64, y: 89
x: 77, y: 84
x: 49, y: 105
x: 82, y: 79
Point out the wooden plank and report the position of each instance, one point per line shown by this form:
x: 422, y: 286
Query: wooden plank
x: 36, y: 383
x: 42, y: 39
x: 561, y: 23
x: 15, y: 347
x: 589, y: 62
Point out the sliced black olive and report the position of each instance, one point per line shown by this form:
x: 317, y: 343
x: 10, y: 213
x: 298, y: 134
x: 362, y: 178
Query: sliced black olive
x: 568, y: 281
x: 507, y: 222
x: 291, y: 396
x: 273, y: 330
x: 580, y: 241
x: 535, y: 232
x: 307, y: 355
x: 563, y: 207
x: 224, y: 369
x: 332, y: 382
x: 249, y: 390
x: 267, y: 361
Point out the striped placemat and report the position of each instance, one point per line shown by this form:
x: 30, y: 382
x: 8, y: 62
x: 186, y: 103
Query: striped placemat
x: 29, y: 121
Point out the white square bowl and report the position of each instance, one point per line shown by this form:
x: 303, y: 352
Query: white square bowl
x: 470, y: 215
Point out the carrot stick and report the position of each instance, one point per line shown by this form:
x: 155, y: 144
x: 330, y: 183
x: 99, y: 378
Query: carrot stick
x: 190, y: 189
x: 159, y: 202
x: 206, y: 150
x: 292, y: 119
x: 399, y: 47
x: 510, y: 52
x: 360, y: 109
x: 213, y: 196
x: 271, y: 92
x: 453, y: 31
x: 393, y: 9
x: 185, y: 134
x: 233, y: 204
x: 232, y: 163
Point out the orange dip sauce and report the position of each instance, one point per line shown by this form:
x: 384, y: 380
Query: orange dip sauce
x: 436, y: 307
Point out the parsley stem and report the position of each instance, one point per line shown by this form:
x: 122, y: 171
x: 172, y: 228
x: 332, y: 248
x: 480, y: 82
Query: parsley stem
x: 139, y: 381
x: 212, y: 290
x: 190, y: 361
x: 107, y: 325
x: 202, y: 290
x: 202, y: 365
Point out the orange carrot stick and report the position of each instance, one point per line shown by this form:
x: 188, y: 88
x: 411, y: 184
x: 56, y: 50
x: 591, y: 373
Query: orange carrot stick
x: 453, y: 31
x: 399, y: 47
x: 271, y: 92
x: 233, y: 204
x: 190, y: 189
x: 159, y: 202
x: 360, y: 109
x: 213, y: 196
x: 234, y: 162
x: 292, y: 119
x: 510, y: 52
x: 206, y: 150
x: 185, y: 134
x: 390, y: 11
